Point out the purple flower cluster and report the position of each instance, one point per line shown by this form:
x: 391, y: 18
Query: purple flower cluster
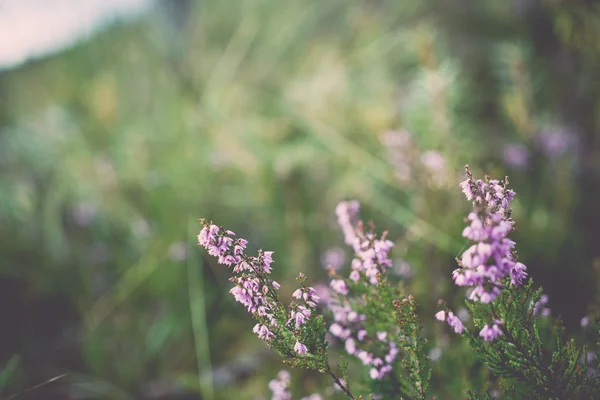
x: 491, y: 257
x: 371, y: 259
x: 371, y: 253
x: 539, y: 308
x: 454, y: 322
x: 253, y: 287
x: 490, y: 333
x: 279, y: 386
x: 349, y: 327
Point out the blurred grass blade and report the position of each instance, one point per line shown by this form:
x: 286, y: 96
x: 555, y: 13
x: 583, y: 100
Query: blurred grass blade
x: 8, y: 371
x: 199, y: 321
x: 132, y: 279
x: 377, y: 170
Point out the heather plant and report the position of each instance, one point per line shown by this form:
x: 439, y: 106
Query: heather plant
x: 377, y: 323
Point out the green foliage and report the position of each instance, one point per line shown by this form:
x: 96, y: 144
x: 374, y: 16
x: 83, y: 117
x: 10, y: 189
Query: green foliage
x: 540, y: 369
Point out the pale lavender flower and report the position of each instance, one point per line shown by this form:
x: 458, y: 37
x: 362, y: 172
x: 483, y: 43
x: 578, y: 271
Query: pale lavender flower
x: 440, y: 315
x: 433, y: 160
x: 539, y: 309
x: 516, y: 156
x: 333, y: 258
x: 300, y: 348
x: 347, y: 213
x: 300, y: 315
x: 84, y: 214
x: 361, y: 335
x: 584, y: 321
x: 263, y: 332
x: 455, y: 323
x: 435, y: 353
x: 177, y: 252
x: 396, y: 138
x: 323, y: 292
x: 463, y: 314
x: 350, y: 346
x: 403, y: 269
x: 339, y: 286
x: 354, y: 276
x: 555, y: 142
x: 490, y: 333
x: 314, y: 396
x: 279, y: 386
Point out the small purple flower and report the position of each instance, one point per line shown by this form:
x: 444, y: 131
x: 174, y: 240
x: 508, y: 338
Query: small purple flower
x: 314, y: 396
x: 455, y: 323
x: 365, y: 357
x: 350, y: 346
x: 339, y: 286
x: 300, y: 348
x: 263, y: 332
x: 539, y: 309
x: 584, y: 321
x: 279, y: 386
x: 333, y: 258
x: 490, y: 333
x: 440, y: 315
x: 347, y: 213
x: 516, y: 156
x: 361, y: 335
x: 555, y: 142
x: 467, y: 189
x: 354, y: 276
x: 433, y: 160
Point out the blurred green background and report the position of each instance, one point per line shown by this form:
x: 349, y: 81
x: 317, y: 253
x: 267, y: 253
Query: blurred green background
x: 261, y: 115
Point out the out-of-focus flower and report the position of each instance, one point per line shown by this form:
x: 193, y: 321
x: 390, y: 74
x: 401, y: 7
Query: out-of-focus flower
x: 555, y: 142
x: 539, y: 309
x: 435, y: 353
x: 433, y: 161
x: 177, y: 251
x: 279, y: 386
x: 489, y: 333
x: 516, y: 156
x: 84, y: 214
x: 403, y: 269
x: 140, y: 228
x: 314, y: 396
x: 333, y: 258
